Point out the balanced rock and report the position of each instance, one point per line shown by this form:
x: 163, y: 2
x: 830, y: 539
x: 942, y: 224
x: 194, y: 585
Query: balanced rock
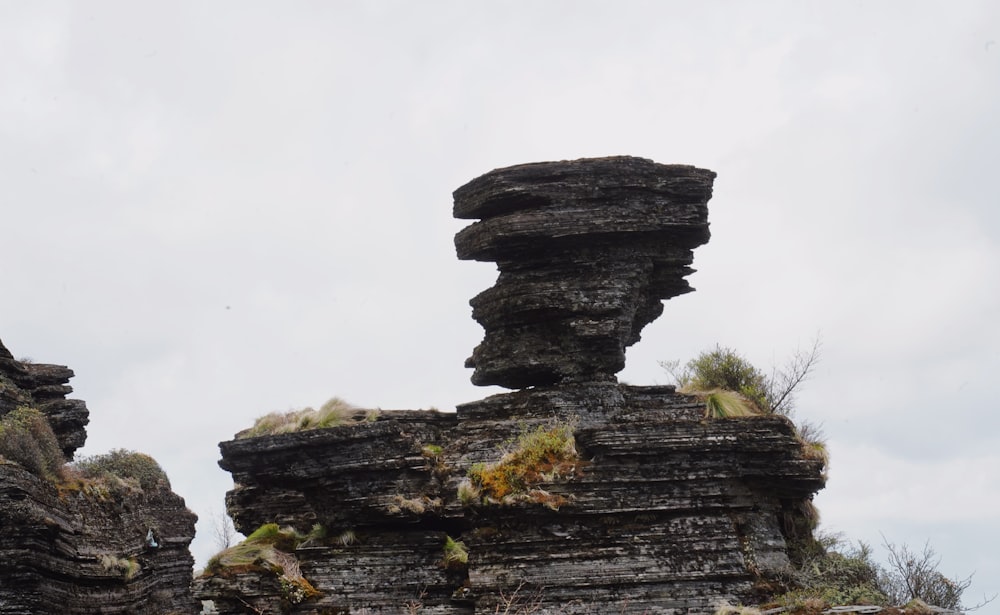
x: 573, y: 495
x: 587, y: 250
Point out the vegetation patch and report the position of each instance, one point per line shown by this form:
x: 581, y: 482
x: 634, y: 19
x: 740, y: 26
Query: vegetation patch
x: 813, y: 443
x: 333, y: 413
x: 125, y: 469
x: 722, y: 404
x: 269, y: 549
x: 128, y: 567
x: 456, y: 554
x: 416, y: 506
x: 545, y: 454
x: 26, y: 438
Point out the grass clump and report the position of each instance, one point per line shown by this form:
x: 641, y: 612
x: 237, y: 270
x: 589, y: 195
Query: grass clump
x: 268, y: 549
x: 128, y: 567
x: 723, y: 404
x: 813, y: 443
x: 26, y: 438
x: 456, y: 555
x: 416, y: 506
x: 728, y: 609
x: 541, y: 455
x: 333, y: 413
x: 124, y: 468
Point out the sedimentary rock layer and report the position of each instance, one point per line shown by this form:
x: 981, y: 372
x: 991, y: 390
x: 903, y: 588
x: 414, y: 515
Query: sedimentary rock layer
x: 668, y: 513
x: 587, y: 250
x: 70, y: 544
x: 573, y: 495
x: 44, y: 387
x: 67, y: 551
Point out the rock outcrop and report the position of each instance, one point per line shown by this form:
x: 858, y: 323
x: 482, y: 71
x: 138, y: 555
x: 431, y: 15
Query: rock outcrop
x: 575, y: 494
x: 79, y: 543
x: 587, y: 251
x: 44, y: 387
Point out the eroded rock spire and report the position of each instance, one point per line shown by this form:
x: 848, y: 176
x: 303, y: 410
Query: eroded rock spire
x: 587, y: 251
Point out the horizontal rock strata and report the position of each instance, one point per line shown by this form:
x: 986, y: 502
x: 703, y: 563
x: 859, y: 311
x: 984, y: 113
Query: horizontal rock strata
x: 75, y: 545
x: 669, y: 512
x: 587, y: 250
x: 44, y: 387
x: 573, y: 495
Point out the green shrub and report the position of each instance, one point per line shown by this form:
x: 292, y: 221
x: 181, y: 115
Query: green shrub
x: 26, y: 438
x: 836, y: 575
x: 136, y: 470
x: 723, y: 368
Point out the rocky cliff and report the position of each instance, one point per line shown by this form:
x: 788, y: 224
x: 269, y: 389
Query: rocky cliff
x: 106, y: 536
x: 573, y: 494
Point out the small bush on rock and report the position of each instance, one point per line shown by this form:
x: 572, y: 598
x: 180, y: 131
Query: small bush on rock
x: 26, y: 438
x: 124, y: 468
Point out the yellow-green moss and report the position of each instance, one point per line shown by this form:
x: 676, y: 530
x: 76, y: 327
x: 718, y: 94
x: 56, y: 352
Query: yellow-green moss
x: 541, y: 455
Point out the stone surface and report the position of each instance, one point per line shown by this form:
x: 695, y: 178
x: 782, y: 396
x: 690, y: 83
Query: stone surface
x: 658, y: 511
x: 670, y: 513
x: 587, y: 250
x: 57, y: 537
x: 44, y: 387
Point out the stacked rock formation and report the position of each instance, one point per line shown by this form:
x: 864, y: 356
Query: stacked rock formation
x: 44, y: 387
x: 574, y: 494
x: 587, y: 251
x: 75, y: 546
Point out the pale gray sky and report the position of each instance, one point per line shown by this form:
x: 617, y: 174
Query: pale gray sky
x: 213, y: 210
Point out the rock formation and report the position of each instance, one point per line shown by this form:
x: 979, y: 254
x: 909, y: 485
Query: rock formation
x: 79, y: 543
x: 574, y: 494
x: 587, y: 251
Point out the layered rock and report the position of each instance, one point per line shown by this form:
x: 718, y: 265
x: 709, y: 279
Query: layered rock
x: 44, y: 387
x: 668, y: 513
x: 573, y: 495
x: 587, y: 250
x: 76, y: 544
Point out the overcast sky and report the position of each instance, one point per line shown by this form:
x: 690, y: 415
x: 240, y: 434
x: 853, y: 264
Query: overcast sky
x: 214, y: 210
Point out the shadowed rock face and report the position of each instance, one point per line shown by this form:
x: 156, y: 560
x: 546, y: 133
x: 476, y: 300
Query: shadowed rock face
x: 587, y: 250
x: 657, y: 510
x: 78, y: 547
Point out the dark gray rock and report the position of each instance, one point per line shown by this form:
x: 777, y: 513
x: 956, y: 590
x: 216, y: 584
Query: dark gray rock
x: 587, y: 250
x: 63, y: 543
x: 660, y: 510
x: 669, y: 513
x: 44, y: 387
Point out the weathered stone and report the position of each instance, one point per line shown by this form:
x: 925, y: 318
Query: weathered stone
x: 587, y: 250
x: 670, y: 512
x: 65, y: 546
x: 654, y: 509
x: 44, y: 387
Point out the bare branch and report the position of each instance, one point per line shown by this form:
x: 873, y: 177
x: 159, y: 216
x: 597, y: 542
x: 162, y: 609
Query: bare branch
x: 783, y: 383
